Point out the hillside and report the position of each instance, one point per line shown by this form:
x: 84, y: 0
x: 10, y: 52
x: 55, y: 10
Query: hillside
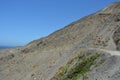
x: 87, y: 49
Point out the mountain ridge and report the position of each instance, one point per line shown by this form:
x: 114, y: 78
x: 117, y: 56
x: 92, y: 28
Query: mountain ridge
x: 81, y: 50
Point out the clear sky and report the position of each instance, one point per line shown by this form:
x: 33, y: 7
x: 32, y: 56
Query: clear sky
x: 22, y: 21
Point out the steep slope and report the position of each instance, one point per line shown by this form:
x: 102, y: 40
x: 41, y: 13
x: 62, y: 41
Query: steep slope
x: 54, y: 57
x: 88, y: 31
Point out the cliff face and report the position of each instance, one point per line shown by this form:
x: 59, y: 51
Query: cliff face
x: 87, y: 49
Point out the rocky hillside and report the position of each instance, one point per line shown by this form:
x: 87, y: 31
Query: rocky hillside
x: 87, y: 49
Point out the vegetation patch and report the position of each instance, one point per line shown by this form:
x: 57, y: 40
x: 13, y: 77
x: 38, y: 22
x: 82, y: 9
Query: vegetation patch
x: 117, y: 39
x: 76, y: 67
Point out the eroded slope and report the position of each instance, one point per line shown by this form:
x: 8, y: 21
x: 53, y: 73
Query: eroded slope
x: 42, y: 58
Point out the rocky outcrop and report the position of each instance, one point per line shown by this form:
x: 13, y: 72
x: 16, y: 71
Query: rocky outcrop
x: 116, y: 38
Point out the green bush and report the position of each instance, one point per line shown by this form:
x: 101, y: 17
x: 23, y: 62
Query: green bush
x: 80, y: 68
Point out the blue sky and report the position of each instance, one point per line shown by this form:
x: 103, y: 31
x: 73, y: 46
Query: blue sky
x: 22, y: 21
